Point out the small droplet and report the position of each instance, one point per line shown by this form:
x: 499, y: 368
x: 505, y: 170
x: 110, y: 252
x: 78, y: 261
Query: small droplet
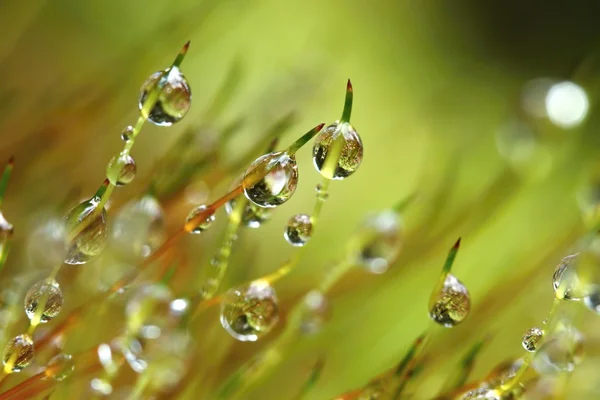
x: 60, y: 367
x: 271, y: 180
x: 481, y: 394
x: 566, y: 281
x: 378, y: 241
x: 592, y: 298
x: 90, y: 241
x: 351, y: 154
x: 452, y: 304
x: 250, y: 312
x: 298, y: 230
x: 561, y: 352
x: 315, y: 314
x: 321, y: 192
x: 532, y: 339
x: 204, y: 225
x: 101, y: 387
x: 121, y: 169
x: 127, y: 133
x: 253, y: 216
x: 174, y: 99
x: 6, y: 230
x: 18, y: 353
x: 149, y: 312
x: 47, y: 293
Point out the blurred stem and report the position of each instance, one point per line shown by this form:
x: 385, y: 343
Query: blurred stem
x: 6, y: 177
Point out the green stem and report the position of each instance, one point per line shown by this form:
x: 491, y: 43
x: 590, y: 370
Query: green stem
x: 304, y: 139
x: 6, y: 177
x: 348, y: 103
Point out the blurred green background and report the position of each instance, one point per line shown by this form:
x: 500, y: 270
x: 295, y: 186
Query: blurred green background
x: 437, y: 86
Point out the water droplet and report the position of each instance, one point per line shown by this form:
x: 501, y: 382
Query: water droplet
x: 315, y: 313
x: 121, y: 169
x: 321, y: 192
x: 452, y: 304
x: 481, y: 394
x: 204, y: 225
x: 249, y: 312
x: 60, y: 367
x: 127, y: 133
x: 44, y: 293
x: 532, y: 338
x: 174, y: 99
x: 253, y: 216
x: 149, y: 311
x: 351, y: 154
x: 561, y: 352
x: 592, y: 299
x: 6, y: 229
x: 565, y: 280
x: 567, y: 104
x: 131, y: 349
x: 298, y: 230
x: 377, y: 242
x: 18, y: 353
x: 101, y: 387
x: 279, y: 173
x: 90, y: 241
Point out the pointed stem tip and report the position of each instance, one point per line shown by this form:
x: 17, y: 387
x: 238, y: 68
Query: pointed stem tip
x: 348, y: 103
x: 181, y: 54
x: 11, y: 161
x: 450, y: 258
x: 456, y: 245
x: 304, y: 139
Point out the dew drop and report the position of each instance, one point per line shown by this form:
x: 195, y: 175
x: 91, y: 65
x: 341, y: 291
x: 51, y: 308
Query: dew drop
x: 121, y: 169
x: 253, y: 216
x: 127, y: 134
x: 316, y: 312
x: 174, y: 99
x: 250, y: 312
x: 561, y: 352
x: 352, y: 151
x: 44, y: 293
x: 60, y: 367
x: 481, y: 394
x: 90, y: 241
x: 18, y: 353
x: 378, y: 241
x: 6, y: 230
x: 271, y: 179
x: 298, y: 230
x: 204, y: 225
x: 592, y: 299
x: 565, y: 280
x: 149, y: 312
x: 532, y: 339
x: 321, y: 192
x: 101, y: 387
x: 452, y: 304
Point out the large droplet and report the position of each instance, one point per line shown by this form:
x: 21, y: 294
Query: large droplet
x: 121, y: 169
x: 149, y: 312
x: 271, y: 180
x: 203, y: 225
x: 315, y: 313
x: 174, y: 98
x: 91, y: 240
x: 351, y: 154
x: 452, y: 304
x: 377, y: 241
x: 249, y: 312
x: 566, y: 282
x: 18, y: 353
x: 298, y: 230
x: 46, y: 294
x: 561, y: 352
x: 532, y: 339
x: 481, y: 394
x: 253, y: 216
x: 60, y: 367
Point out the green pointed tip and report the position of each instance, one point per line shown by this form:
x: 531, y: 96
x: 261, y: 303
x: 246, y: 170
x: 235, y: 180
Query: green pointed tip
x: 410, y: 354
x: 451, y: 257
x: 348, y: 103
x: 181, y: 54
x: 304, y: 139
x: 102, y: 189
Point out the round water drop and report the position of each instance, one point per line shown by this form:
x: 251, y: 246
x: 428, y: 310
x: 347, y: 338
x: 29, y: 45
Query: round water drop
x: 481, y: 394
x: 149, y: 313
x: 316, y: 312
x: 321, y: 192
x: 203, y: 225
x: 351, y: 154
x: 174, y: 99
x: 249, y: 312
x: 18, y: 353
x: 6, y: 229
x: 532, y: 339
x: 121, y: 169
x: 561, y: 352
x: 592, y: 299
x: 46, y: 294
x: 452, y: 304
x: 60, y: 367
x: 91, y: 240
x: 271, y: 179
x: 127, y: 134
x: 101, y: 387
x: 565, y: 280
x: 253, y: 216
x: 298, y: 230
x: 378, y: 241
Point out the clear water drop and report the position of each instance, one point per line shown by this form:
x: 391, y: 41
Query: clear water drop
x: 561, y: 352
x: 378, y: 241
x: 250, y: 312
x: 174, y: 99
x: 321, y: 192
x: 121, y: 169
x: 452, y: 304
x: 481, y: 394
x: 351, y: 154
x: 271, y: 180
x: 592, y: 299
x: 127, y: 134
x: 298, y: 230
x: 47, y: 294
x: 60, y: 367
x: 101, y: 387
x: 203, y: 225
x: 18, y: 353
x: 149, y: 313
x: 532, y: 339
x: 253, y: 216
x: 91, y: 240
x: 566, y: 282
x: 6, y: 230
x: 315, y: 313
